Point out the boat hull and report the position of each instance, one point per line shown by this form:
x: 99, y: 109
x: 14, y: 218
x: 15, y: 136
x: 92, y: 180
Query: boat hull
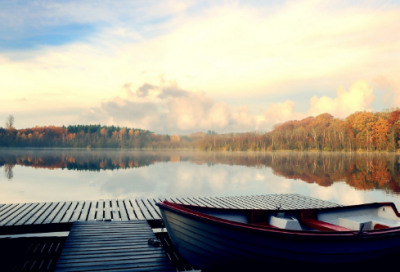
x: 209, y: 244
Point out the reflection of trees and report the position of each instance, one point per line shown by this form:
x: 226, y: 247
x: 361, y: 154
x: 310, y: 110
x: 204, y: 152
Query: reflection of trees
x: 364, y: 171
x: 8, y: 170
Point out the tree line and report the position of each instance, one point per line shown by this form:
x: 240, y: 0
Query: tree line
x: 360, y: 131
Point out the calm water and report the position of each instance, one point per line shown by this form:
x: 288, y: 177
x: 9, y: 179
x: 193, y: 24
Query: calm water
x: 54, y: 175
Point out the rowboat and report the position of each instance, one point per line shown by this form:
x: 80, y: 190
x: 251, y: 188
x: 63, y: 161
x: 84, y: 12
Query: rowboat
x: 214, y: 237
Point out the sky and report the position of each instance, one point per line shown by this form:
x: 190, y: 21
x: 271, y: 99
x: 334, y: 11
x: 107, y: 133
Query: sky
x: 179, y: 67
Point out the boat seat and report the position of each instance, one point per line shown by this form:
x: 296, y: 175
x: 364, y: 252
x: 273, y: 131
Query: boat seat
x: 309, y: 219
x: 355, y: 223
x: 322, y: 226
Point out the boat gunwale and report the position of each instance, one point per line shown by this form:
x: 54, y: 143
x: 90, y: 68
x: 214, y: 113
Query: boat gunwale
x: 185, y: 209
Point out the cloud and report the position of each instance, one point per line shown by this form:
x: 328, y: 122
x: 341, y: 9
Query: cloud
x: 169, y: 109
x: 166, y: 108
x: 231, y: 52
x: 358, y: 98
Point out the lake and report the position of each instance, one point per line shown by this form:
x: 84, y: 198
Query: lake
x: 31, y: 175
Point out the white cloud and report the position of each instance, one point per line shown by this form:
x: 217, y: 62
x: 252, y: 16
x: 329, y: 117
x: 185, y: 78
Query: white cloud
x: 358, y: 98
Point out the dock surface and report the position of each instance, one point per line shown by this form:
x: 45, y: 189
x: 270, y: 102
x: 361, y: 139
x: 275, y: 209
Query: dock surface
x: 58, y: 216
x: 112, y: 246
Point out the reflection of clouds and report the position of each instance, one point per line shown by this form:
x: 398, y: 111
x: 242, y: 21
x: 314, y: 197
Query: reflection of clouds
x: 340, y: 193
x: 179, y: 179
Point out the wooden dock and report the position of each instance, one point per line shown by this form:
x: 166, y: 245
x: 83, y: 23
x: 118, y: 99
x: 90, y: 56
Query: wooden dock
x: 112, y: 246
x: 59, y: 216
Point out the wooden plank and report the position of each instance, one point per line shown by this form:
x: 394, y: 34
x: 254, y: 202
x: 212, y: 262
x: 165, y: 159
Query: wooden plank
x: 76, y: 213
x: 136, y: 208
x: 188, y: 199
x: 232, y: 202
x: 45, y: 209
x: 226, y: 204
x: 129, y: 210
x: 210, y: 202
x: 122, y: 210
x: 155, y: 210
x: 85, y: 211
x: 13, y: 212
x: 240, y: 203
x: 100, y: 210
x: 184, y: 201
x: 144, y: 210
x: 250, y: 201
x: 32, y: 213
x: 62, y: 213
x: 98, y: 247
x: 4, y: 207
x: 10, y: 209
x: 16, y: 217
x: 55, y: 212
x: 92, y: 211
x: 151, y: 209
x: 115, y: 210
x: 220, y: 204
x: 107, y: 210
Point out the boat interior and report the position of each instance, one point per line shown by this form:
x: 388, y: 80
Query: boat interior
x: 352, y: 218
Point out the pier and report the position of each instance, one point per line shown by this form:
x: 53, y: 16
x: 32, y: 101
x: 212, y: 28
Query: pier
x: 111, y: 234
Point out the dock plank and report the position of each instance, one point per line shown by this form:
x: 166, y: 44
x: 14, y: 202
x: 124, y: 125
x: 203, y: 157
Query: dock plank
x: 30, y: 214
x: 12, y: 213
x: 56, y: 215
x: 76, y: 213
x: 115, y: 210
x: 150, y: 209
x: 136, y: 208
x: 122, y: 210
x: 90, y: 247
x: 85, y: 211
x: 44, y: 210
x: 68, y: 213
x: 154, y: 209
x: 100, y: 210
x: 129, y: 210
x: 16, y: 217
x: 63, y: 211
x: 107, y: 210
x: 144, y: 210
x: 92, y: 211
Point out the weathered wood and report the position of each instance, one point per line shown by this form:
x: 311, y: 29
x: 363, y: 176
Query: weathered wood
x: 85, y: 211
x: 17, y: 216
x: 144, y: 210
x: 136, y: 208
x: 93, y: 247
x: 41, y: 214
x: 12, y: 213
x: 92, y: 211
x: 100, y: 210
x: 55, y: 212
x: 153, y: 208
x: 76, y: 213
x: 68, y: 214
x: 141, y: 209
x: 107, y: 210
x: 30, y: 214
x: 122, y: 210
x: 129, y: 210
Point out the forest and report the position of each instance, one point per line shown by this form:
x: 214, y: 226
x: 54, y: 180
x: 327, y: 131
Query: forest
x: 360, y: 131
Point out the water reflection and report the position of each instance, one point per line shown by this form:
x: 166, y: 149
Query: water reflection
x: 362, y: 171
